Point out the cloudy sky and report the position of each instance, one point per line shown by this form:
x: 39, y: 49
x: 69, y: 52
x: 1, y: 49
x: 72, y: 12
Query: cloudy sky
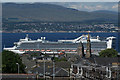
x: 90, y: 6
x: 59, y: 0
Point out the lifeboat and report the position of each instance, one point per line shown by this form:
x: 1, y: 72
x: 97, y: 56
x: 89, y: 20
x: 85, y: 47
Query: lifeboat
x: 37, y: 50
x: 42, y: 50
x: 27, y: 50
x: 31, y: 49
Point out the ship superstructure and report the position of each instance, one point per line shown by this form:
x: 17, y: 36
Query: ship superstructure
x: 67, y: 46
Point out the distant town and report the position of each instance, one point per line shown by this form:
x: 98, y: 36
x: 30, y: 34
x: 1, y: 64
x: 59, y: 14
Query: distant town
x: 37, y: 27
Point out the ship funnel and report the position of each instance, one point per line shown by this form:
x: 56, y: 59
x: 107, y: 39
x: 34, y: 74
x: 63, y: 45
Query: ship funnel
x: 43, y: 38
x: 26, y: 38
x: 98, y: 37
x: 27, y: 35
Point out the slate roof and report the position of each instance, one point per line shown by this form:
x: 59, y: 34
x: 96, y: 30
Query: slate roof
x: 100, y: 61
x: 105, y: 61
x: 18, y: 76
x: 49, y: 71
x: 62, y: 73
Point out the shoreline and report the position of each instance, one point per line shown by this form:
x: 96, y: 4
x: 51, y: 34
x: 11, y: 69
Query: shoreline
x: 59, y: 32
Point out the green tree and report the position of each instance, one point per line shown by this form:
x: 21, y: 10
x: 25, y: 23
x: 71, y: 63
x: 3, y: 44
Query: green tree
x: 108, y: 53
x: 9, y: 60
x: 59, y: 60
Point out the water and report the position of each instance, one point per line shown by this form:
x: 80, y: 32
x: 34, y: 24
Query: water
x: 8, y: 39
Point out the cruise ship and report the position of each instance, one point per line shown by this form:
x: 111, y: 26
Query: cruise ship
x: 68, y: 46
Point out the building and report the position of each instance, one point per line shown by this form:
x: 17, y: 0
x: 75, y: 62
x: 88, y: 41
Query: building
x: 88, y: 50
x: 97, y: 68
x: 80, y: 50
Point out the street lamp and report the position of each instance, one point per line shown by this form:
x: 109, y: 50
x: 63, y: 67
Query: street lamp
x: 44, y: 67
x: 53, y: 66
x: 18, y: 67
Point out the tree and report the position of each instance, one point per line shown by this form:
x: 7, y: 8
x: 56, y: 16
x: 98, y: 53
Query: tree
x: 108, y: 53
x: 9, y: 60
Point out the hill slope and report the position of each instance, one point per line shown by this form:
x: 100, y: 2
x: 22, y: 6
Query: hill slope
x: 49, y: 12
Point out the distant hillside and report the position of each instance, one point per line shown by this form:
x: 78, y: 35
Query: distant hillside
x: 105, y: 11
x: 50, y: 12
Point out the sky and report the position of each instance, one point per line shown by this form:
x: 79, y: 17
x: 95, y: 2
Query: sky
x: 90, y: 6
x: 60, y: 0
